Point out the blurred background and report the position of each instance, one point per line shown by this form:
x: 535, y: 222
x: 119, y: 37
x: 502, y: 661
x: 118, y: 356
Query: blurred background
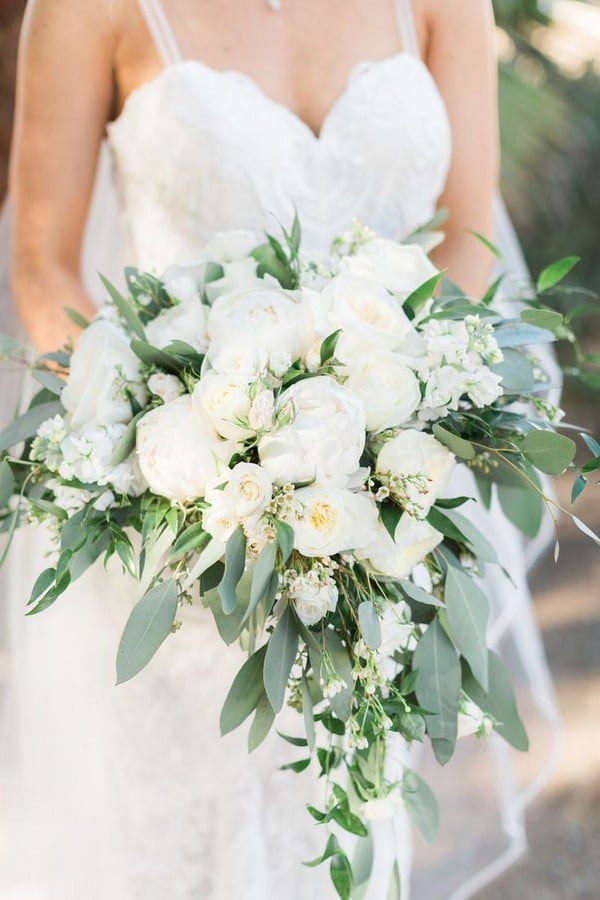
x: 549, y: 57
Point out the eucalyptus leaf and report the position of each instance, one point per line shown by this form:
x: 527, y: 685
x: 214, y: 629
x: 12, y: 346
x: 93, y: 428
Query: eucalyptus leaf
x: 418, y: 593
x: 438, y: 688
x: 25, y: 426
x: 235, y: 560
x: 467, y: 609
x: 149, y: 624
x: 192, y: 538
x: 499, y: 701
x: 262, y: 575
x: 419, y: 297
x: 245, y: 692
x: 49, y: 380
x: 421, y: 805
x: 522, y: 506
x: 543, y: 318
x: 126, y: 443
x: 228, y: 625
x: 307, y: 712
x: 591, y: 443
x: 125, y: 309
x: 7, y: 484
x: 482, y: 547
x: 152, y: 356
x: 519, y: 334
x: 458, y: 445
x: 261, y: 723
x: 285, y: 539
x: 279, y: 658
x: 578, y: 486
x: 516, y: 372
x: 548, y: 451
x: 341, y: 703
x: 370, y: 625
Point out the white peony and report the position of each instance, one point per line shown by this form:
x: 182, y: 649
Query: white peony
x: 367, y: 314
x: 413, y: 540
x: 236, y: 276
x: 400, y: 268
x: 182, y: 322
x: 184, y: 283
x: 312, y: 597
x: 223, y: 401
x: 416, y: 453
x: 334, y: 520
x: 389, y: 390
x: 238, y: 360
x: 167, y: 387
x: 103, y: 370
x: 263, y: 318
x: 178, y: 450
x: 324, y: 441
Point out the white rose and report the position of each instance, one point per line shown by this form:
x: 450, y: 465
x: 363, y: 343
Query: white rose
x: 312, y: 598
x: 325, y: 439
x: 182, y: 322
x: 389, y: 390
x: 416, y: 453
x: 223, y: 401
x: 333, y: 520
x: 219, y: 519
x: 95, y: 392
x: 265, y: 318
x: 396, y: 628
x: 249, y: 490
x: 167, y: 387
x: 178, y: 450
x: 279, y: 362
x: 261, y: 411
x: 413, y: 540
x: 238, y: 360
x: 400, y: 268
x: 366, y: 313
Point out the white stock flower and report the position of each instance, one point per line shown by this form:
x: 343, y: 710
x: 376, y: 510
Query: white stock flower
x: 103, y: 367
x: 443, y: 389
x: 179, y: 451
x: 366, y: 313
x: 389, y: 390
x: 325, y: 439
x: 223, y: 401
x: 413, y: 540
x: 182, y: 322
x: 167, y: 387
x: 483, y: 386
x: 312, y: 597
x: 334, y: 520
x: 416, y: 453
x: 265, y: 318
x: 260, y: 415
x: 400, y: 268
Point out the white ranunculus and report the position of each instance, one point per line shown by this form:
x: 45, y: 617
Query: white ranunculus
x: 178, y: 450
x: 312, y: 598
x: 167, y: 387
x: 333, y: 520
x: 367, y: 314
x: 396, y: 628
x: 264, y: 318
x: 400, y: 268
x: 413, y: 540
x: 389, y: 390
x: 231, y: 246
x: 184, y: 283
x: 249, y: 490
x: 236, y: 276
x: 223, y: 401
x: 103, y: 368
x: 261, y: 411
x: 238, y: 360
x: 412, y: 453
x: 182, y: 322
x: 325, y: 439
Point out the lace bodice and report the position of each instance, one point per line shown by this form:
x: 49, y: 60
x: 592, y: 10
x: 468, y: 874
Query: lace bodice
x: 198, y: 150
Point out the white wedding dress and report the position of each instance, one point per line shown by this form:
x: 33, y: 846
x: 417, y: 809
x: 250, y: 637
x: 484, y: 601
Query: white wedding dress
x: 125, y: 793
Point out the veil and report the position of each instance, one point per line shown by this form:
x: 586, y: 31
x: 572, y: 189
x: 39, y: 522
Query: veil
x: 484, y: 791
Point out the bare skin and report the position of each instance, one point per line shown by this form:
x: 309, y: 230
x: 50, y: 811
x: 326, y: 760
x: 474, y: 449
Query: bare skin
x: 80, y: 60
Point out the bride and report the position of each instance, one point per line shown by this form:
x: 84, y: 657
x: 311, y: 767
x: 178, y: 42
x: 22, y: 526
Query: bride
x: 223, y: 115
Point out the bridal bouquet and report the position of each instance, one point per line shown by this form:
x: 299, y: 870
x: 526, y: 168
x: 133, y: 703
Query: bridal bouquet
x: 282, y: 434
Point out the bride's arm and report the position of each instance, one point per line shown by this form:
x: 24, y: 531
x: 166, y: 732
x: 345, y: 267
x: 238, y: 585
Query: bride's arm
x: 64, y: 92
x: 461, y: 57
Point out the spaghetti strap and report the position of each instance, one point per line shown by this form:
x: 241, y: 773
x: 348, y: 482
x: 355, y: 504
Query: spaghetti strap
x: 161, y: 31
x: 406, y: 27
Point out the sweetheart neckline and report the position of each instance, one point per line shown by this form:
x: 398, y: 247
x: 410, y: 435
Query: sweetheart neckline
x: 317, y: 137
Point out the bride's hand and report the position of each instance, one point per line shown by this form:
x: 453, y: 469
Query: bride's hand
x: 64, y: 95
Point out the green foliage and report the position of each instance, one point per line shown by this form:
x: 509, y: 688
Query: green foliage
x: 421, y: 805
x: 245, y: 692
x: 279, y: 658
x: 467, y: 609
x: 149, y: 624
x: 438, y: 688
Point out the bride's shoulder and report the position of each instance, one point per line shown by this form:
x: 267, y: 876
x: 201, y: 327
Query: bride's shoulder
x: 70, y: 22
x: 457, y: 18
